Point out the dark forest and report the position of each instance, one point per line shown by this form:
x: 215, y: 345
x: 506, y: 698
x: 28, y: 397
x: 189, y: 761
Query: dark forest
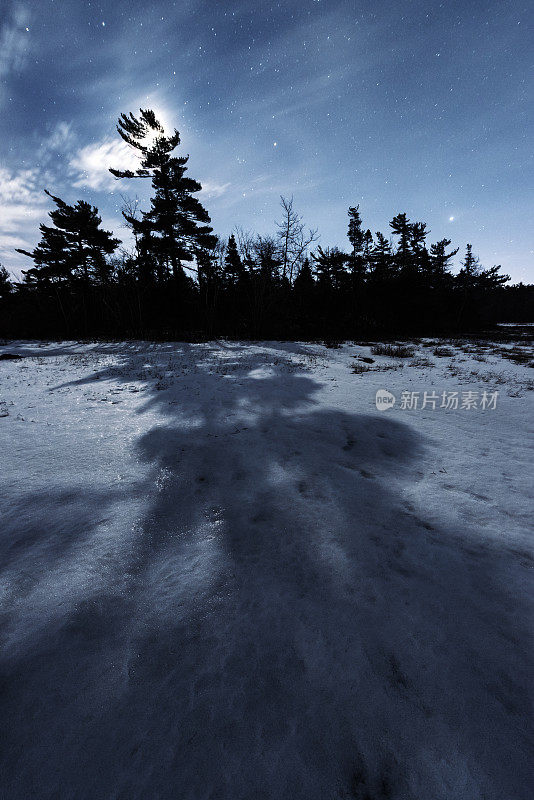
x: 179, y: 280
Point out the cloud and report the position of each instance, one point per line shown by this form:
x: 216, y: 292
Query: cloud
x: 14, y: 41
x: 91, y: 164
x: 60, y: 138
x: 23, y: 205
x: 57, y: 146
x: 19, y: 188
x: 212, y: 189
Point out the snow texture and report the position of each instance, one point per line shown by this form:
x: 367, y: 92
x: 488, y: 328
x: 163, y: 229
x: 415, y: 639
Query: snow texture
x: 225, y: 574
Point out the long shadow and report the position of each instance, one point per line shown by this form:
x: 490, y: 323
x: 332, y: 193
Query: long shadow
x: 282, y: 624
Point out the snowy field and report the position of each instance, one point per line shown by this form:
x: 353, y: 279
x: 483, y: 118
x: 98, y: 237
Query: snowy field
x: 225, y: 574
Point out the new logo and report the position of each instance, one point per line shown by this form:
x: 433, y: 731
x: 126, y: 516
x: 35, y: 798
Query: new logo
x: 384, y: 400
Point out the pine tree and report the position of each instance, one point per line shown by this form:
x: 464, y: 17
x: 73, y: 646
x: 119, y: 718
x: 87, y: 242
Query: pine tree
x: 234, y: 271
x: 6, y: 284
x: 382, y: 258
x: 440, y: 259
x: 331, y: 268
x: 355, y: 232
x: 267, y: 259
x: 51, y: 257
x: 74, y: 248
x: 367, y: 249
x: 359, y: 239
x: 304, y: 295
x: 304, y: 283
x: 177, y: 224
x: 470, y: 262
x: 210, y: 278
x: 490, y: 278
x: 470, y: 269
x: 472, y: 276
x: 400, y: 225
x: 418, y: 234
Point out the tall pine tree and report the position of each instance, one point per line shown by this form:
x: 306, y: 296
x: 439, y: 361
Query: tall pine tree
x: 401, y: 226
x: 177, y: 225
x: 361, y: 242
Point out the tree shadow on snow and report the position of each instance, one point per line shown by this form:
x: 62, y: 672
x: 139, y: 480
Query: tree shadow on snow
x: 282, y: 623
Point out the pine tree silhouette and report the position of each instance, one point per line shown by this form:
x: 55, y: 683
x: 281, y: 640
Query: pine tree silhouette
x: 175, y: 229
x: 74, y: 248
x: 359, y: 241
x: 400, y: 225
x: 234, y: 271
x: 440, y: 257
x: 382, y: 263
x: 6, y: 284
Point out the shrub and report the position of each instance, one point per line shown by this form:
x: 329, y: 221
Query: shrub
x: 393, y: 350
x: 389, y: 367
x: 357, y: 369
x: 421, y: 362
x: 443, y: 351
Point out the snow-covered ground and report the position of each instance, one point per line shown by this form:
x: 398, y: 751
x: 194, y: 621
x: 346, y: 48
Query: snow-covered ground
x: 225, y: 574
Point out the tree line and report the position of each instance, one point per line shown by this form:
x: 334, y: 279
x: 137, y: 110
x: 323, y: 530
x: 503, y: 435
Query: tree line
x: 180, y: 280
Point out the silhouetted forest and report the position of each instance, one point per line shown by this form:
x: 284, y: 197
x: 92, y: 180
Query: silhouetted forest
x: 180, y: 280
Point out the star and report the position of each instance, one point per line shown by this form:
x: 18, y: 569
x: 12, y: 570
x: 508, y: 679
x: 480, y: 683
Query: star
x: 292, y: 69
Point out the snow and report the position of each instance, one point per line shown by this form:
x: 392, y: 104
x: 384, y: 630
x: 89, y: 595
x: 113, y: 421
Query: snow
x: 225, y: 574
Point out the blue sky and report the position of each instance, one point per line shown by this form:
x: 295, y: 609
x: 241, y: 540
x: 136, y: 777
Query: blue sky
x: 423, y: 107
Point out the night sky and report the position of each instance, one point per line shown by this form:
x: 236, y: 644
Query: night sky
x: 423, y: 107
